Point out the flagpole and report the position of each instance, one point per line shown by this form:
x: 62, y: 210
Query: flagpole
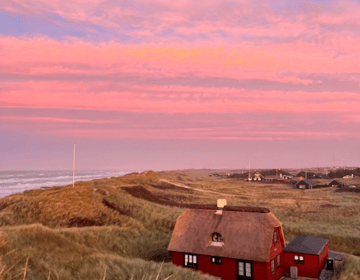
x: 74, y: 166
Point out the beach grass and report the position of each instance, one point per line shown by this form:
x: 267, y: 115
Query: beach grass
x: 119, y: 228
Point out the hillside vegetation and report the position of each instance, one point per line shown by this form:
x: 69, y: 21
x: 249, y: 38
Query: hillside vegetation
x: 119, y: 228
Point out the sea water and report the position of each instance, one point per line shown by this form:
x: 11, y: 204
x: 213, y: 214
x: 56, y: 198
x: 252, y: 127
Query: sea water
x: 18, y: 181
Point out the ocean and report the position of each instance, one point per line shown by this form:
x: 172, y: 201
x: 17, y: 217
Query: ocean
x: 18, y: 181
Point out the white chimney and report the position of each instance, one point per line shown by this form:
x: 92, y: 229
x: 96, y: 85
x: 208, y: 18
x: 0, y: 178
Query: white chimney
x: 220, y: 204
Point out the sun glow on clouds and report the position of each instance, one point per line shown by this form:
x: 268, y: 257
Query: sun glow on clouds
x: 186, y: 57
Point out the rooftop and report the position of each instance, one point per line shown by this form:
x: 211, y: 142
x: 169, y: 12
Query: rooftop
x: 246, y: 231
x: 311, y: 245
x: 249, y: 209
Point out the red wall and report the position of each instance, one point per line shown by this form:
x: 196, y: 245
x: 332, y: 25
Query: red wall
x: 228, y: 269
x: 274, y: 251
x: 261, y: 270
x: 310, y: 268
x: 177, y: 258
x: 323, y: 257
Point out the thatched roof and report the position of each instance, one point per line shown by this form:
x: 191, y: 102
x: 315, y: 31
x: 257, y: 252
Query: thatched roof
x: 229, y: 208
x: 246, y: 235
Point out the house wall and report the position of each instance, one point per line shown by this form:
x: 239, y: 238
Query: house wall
x: 228, y: 269
x: 302, y: 186
x: 260, y: 270
x: 177, y: 258
x: 310, y: 268
x: 323, y: 257
x: 274, y: 251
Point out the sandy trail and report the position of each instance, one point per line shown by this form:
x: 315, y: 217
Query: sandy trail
x: 195, y: 189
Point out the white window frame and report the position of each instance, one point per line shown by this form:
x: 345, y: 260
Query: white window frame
x: 299, y: 259
x: 247, y: 269
x: 216, y: 260
x: 272, y: 263
x: 241, y: 269
x: 275, y: 237
x: 216, y: 237
x: 190, y: 260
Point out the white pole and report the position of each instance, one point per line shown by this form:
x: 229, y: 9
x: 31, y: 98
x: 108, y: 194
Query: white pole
x: 74, y: 166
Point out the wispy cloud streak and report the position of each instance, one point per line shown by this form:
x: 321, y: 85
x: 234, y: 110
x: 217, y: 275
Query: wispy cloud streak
x: 185, y: 57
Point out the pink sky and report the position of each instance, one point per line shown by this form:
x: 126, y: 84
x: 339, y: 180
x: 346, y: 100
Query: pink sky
x: 179, y: 84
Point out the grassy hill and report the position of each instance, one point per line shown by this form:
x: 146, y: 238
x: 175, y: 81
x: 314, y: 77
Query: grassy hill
x: 119, y: 228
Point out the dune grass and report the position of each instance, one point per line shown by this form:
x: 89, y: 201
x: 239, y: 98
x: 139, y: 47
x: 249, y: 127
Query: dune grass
x: 85, y: 253
x: 99, y: 230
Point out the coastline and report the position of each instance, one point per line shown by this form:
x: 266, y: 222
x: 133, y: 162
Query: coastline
x: 12, y: 182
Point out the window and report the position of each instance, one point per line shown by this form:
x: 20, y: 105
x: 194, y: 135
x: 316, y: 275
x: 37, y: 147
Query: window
x: 190, y: 260
x: 216, y: 237
x: 275, y: 237
x: 241, y: 268
x: 244, y: 268
x: 248, y: 269
x: 299, y: 259
x: 272, y: 266
x: 216, y: 260
x: 278, y: 261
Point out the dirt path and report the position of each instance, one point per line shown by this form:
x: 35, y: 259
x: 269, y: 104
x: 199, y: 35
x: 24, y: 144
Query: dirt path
x: 195, y: 189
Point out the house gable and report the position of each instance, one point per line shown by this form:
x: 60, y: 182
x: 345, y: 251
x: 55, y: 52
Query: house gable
x: 336, y: 183
x: 305, y: 183
x: 257, y: 176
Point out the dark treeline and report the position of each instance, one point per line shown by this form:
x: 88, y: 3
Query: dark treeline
x: 312, y: 175
x: 263, y: 172
x: 274, y: 172
x: 339, y: 173
x: 239, y: 175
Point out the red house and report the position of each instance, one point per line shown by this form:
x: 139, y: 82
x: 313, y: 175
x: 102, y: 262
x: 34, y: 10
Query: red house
x: 308, y: 254
x: 231, y: 242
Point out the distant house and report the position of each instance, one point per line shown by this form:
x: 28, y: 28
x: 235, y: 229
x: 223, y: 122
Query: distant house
x: 285, y: 177
x: 234, y: 243
x: 305, y: 184
x: 308, y: 254
x: 272, y: 178
x: 348, y: 176
x: 336, y: 183
x: 256, y: 177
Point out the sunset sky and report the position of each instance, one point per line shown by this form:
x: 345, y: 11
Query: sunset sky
x: 161, y: 84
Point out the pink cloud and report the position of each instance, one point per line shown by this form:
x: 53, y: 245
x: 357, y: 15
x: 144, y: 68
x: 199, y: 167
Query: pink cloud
x: 29, y: 119
x: 144, y: 102
x: 193, y: 19
x: 44, y: 56
x: 199, y: 133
